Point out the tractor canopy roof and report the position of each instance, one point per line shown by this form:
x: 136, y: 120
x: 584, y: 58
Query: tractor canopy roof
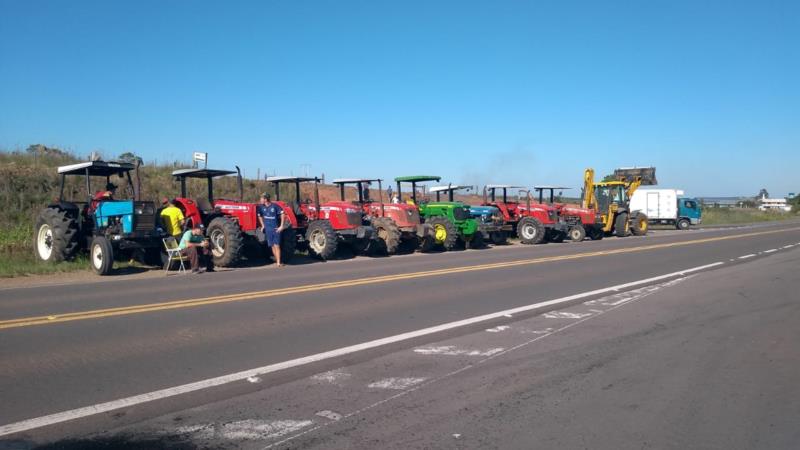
x: 97, y: 168
x: 418, y: 178
x: 448, y: 188
x: 503, y: 186
x: 355, y: 180
x: 201, y: 173
x: 547, y: 188
x: 290, y: 179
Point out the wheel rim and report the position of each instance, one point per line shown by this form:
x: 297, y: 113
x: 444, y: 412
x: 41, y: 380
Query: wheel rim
x: 317, y: 240
x: 643, y: 224
x: 44, y: 242
x: 440, y: 233
x: 528, y: 231
x: 218, y: 243
x: 97, y: 256
x: 574, y: 234
x: 383, y: 234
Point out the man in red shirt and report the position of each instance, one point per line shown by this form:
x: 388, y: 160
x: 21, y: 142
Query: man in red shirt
x: 100, y: 196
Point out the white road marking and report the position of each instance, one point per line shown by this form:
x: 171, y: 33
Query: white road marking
x: 253, y: 379
x: 788, y: 246
x: 566, y: 315
x: 772, y: 250
x: 128, y: 402
x: 246, y: 429
x: 397, y: 384
x: 331, y: 415
x: 747, y: 256
x: 332, y: 376
x: 450, y: 350
x: 498, y: 329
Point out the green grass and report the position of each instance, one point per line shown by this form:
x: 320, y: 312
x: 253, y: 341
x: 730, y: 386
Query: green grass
x: 732, y: 216
x: 18, y: 264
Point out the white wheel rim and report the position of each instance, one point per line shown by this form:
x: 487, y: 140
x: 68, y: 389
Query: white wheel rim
x: 97, y: 256
x: 218, y: 241
x: 529, y: 231
x: 44, y: 242
x: 317, y: 241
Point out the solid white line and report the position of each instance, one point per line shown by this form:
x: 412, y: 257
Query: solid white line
x: 128, y: 402
x: 788, y: 246
x: 747, y: 256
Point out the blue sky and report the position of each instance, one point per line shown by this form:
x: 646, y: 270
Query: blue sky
x: 490, y: 91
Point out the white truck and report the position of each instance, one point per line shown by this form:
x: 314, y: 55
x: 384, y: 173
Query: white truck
x: 667, y: 206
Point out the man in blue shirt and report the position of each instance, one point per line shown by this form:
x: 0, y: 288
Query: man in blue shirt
x: 273, y: 222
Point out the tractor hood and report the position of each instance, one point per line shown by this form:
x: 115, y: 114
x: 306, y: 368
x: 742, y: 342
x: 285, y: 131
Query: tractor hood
x: 483, y: 211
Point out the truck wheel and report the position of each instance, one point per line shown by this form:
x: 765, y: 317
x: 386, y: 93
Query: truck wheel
x: 322, y: 240
x: 226, y: 241
x: 477, y: 240
x: 595, y: 233
x: 576, y: 233
x: 101, y: 255
x: 621, y: 225
x: 444, y: 232
x: 530, y: 231
x: 288, y: 244
x: 388, y: 235
x: 639, y: 224
x: 55, y: 235
x: 498, y: 237
x: 683, y: 224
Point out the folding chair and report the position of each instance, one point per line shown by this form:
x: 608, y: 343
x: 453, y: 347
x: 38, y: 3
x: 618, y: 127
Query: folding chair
x: 173, y: 254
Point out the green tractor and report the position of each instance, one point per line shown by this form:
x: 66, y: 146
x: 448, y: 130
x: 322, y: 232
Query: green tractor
x: 451, y: 221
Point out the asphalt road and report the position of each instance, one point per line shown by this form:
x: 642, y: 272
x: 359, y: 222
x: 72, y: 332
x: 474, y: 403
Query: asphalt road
x: 678, y: 366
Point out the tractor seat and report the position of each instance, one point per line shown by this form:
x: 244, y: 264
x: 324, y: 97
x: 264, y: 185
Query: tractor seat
x: 203, y: 204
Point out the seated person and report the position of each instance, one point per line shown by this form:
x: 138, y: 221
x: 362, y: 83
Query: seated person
x: 101, y: 196
x: 194, y: 246
x: 172, y: 218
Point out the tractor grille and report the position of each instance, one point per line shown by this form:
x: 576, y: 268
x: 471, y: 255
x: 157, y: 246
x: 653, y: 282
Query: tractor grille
x: 354, y: 218
x: 461, y: 213
x: 144, y: 216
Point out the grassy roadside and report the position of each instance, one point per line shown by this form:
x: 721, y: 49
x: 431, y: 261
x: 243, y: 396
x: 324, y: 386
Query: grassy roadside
x: 734, y: 216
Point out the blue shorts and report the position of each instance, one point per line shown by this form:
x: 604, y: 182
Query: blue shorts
x: 273, y: 236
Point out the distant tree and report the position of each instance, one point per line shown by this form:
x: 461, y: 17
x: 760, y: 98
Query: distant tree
x: 130, y: 157
x: 609, y: 178
x: 762, y: 193
x: 748, y: 204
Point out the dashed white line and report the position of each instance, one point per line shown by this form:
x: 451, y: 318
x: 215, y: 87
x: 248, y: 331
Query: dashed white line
x: 772, y: 250
x: 498, y: 329
x: 747, y: 256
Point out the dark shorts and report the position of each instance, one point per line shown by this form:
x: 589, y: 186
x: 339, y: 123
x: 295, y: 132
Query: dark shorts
x: 272, y: 236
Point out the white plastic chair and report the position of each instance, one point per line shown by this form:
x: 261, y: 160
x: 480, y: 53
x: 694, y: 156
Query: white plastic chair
x: 174, y: 254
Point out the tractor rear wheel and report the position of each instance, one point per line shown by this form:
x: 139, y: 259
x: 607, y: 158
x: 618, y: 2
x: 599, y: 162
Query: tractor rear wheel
x: 498, y: 237
x: 322, y: 240
x: 621, y: 225
x: 226, y: 241
x: 477, y: 241
x: 444, y: 232
x: 288, y: 244
x: 56, y: 235
x: 101, y: 255
x: 530, y: 231
x: 388, y: 235
x: 576, y: 233
x: 639, y: 224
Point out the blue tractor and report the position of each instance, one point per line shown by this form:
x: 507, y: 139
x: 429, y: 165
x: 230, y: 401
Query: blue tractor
x: 108, y: 228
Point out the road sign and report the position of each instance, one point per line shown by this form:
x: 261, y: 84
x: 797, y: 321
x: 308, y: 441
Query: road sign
x: 200, y: 157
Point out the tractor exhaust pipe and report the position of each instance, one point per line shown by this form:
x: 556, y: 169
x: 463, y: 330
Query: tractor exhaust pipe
x: 241, y: 184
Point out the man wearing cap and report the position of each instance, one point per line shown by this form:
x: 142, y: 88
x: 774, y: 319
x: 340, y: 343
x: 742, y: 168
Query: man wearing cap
x: 273, y: 222
x: 172, y: 218
x: 195, y: 246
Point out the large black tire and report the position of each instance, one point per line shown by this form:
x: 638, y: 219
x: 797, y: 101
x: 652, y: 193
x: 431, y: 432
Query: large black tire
x: 55, y: 236
x: 576, y: 233
x: 498, y: 237
x: 101, y: 255
x: 595, y: 233
x: 322, y: 240
x: 683, y: 224
x: 226, y: 241
x: 477, y: 241
x: 288, y: 245
x: 426, y: 242
x: 444, y: 232
x: 639, y: 224
x: 530, y: 231
x: 388, y: 235
x: 621, y: 225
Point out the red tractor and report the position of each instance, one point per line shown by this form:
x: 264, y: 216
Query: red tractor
x: 396, y: 224
x: 320, y: 227
x: 229, y: 224
x: 533, y: 222
x: 582, y: 222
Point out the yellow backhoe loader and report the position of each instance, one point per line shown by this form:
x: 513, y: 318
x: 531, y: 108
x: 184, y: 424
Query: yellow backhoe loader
x: 611, y: 200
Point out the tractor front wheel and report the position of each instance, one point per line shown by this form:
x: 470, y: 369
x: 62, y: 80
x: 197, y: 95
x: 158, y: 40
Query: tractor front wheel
x: 226, y: 241
x: 576, y: 233
x: 322, y: 240
x: 288, y: 244
x: 621, y: 225
x: 498, y: 237
x: 595, y: 233
x: 639, y: 224
x: 56, y: 235
x: 388, y: 235
x: 477, y: 241
x: 530, y: 231
x: 101, y: 255
x: 444, y: 232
